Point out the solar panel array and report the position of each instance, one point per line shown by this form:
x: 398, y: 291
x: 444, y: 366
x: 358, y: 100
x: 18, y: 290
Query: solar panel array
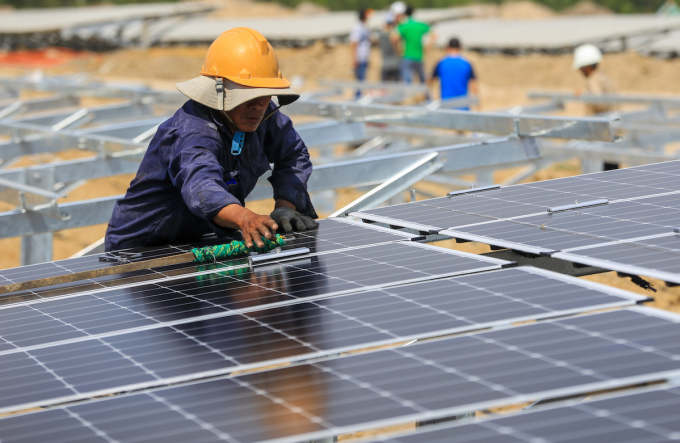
x: 634, y: 232
x: 650, y: 416
x: 126, y: 343
x: 421, y: 381
x: 370, y: 329
x: 332, y: 235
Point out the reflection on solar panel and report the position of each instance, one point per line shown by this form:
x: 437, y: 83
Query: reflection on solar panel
x: 643, y: 202
x: 423, y: 381
x: 101, y: 354
x: 331, y: 235
x: 651, y: 416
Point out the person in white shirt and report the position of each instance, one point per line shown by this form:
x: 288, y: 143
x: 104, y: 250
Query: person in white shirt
x: 360, y: 43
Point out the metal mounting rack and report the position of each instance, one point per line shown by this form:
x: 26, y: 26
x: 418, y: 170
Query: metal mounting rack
x: 398, y: 147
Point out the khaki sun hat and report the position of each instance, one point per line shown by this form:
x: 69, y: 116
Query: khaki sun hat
x: 205, y: 90
x: 240, y: 65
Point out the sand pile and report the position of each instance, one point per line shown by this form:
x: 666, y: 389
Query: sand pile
x: 524, y: 10
x: 587, y: 7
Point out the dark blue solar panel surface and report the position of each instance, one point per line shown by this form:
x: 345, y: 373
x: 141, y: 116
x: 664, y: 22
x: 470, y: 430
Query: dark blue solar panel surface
x: 359, y: 320
x: 356, y: 392
x: 331, y: 235
x: 647, y: 417
x: 534, y: 198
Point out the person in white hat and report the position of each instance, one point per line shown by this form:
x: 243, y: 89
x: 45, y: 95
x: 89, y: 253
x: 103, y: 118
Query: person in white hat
x: 586, y: 59
x: 205, y: 160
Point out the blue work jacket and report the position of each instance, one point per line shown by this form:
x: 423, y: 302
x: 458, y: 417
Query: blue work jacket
x: 188, y: 175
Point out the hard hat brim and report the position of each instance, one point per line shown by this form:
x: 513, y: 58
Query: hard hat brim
x: 202, y: 89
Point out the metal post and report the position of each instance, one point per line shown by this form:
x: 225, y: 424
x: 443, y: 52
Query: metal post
x: 590, y: 166
x: 38, y: 248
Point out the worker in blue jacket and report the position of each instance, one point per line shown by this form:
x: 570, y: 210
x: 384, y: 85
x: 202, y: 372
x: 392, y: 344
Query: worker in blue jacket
x: 205, y: 160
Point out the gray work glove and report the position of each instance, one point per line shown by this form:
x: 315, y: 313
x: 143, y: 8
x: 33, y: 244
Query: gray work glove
x: 289, y: 219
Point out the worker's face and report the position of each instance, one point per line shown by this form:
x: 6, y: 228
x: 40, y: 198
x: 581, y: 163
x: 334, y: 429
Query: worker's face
x: 586, y: 70
x: 248, y: 116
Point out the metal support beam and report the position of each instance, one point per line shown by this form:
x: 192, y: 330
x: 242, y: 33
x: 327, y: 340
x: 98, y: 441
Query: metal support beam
x: 368, y: 171
x: 395, y: 185
x: 35, y: 139
x: 523, y: 125
x: 75, y: 170
x: 607, y: 99
x: 603, y: 153
x: 89, y: 115
x: 548, y: 263
x: 82, y: 213
x: 82, y: 89
x: 332, y: 133
x: 41, y: 104
x: 413, y: 88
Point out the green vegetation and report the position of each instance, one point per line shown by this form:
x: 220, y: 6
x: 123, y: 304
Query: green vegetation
x: 623, y: 6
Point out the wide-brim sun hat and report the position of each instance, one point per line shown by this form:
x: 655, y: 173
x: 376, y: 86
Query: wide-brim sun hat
x: 240, y: 65
x: 202, y: 89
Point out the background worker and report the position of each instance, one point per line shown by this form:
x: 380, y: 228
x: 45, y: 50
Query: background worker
x: 390, y: 71
x: 205, y: 159
x: 586, y: 59
x: 360, y: 45
x: 411, y: 33
x: 456, y: 75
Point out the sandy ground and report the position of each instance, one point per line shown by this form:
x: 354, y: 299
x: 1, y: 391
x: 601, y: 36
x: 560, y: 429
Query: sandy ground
x: 504, y: 82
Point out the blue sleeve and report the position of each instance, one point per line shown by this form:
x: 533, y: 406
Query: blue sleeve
x: 472, y: 73
x: 196, y: 171
x: 292, y: 166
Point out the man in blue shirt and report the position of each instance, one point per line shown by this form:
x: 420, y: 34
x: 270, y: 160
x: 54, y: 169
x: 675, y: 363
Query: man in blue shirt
x: 205, y: 160
x: 456, y: 76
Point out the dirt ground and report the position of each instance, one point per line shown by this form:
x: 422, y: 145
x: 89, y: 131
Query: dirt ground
x: 504, y: 82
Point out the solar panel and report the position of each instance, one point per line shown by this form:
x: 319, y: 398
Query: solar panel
x: 529, y: 199
x: 330, y: 235
x: 650, y: 416
x: 657, y: 256
x: 106, y: 358
x: 550, y: 232
x: 422, y: 381
x: 644, y: 204
x: 214, y: 292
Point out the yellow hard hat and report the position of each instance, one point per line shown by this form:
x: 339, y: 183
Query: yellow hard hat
x: 244, y: 56
x: 240, y: 65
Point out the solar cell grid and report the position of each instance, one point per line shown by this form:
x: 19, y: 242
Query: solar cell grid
x: 331, y: 235
x: 651, y: 416
x: 186, y: 298
x: 422, y: 381
x: 329, y: 325
x: 529, y: 199
x: 657, y: 256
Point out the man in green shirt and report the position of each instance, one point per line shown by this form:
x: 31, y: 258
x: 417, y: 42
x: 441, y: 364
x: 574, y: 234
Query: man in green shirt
x: 411, y: 33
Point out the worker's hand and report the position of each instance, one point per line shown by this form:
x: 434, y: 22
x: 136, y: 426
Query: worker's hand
x: 290, y: 219
x: 252, y: 226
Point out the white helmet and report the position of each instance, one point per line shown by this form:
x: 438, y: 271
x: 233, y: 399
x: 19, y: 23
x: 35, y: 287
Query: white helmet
x: 586, y: 55
x: 398, y: 8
